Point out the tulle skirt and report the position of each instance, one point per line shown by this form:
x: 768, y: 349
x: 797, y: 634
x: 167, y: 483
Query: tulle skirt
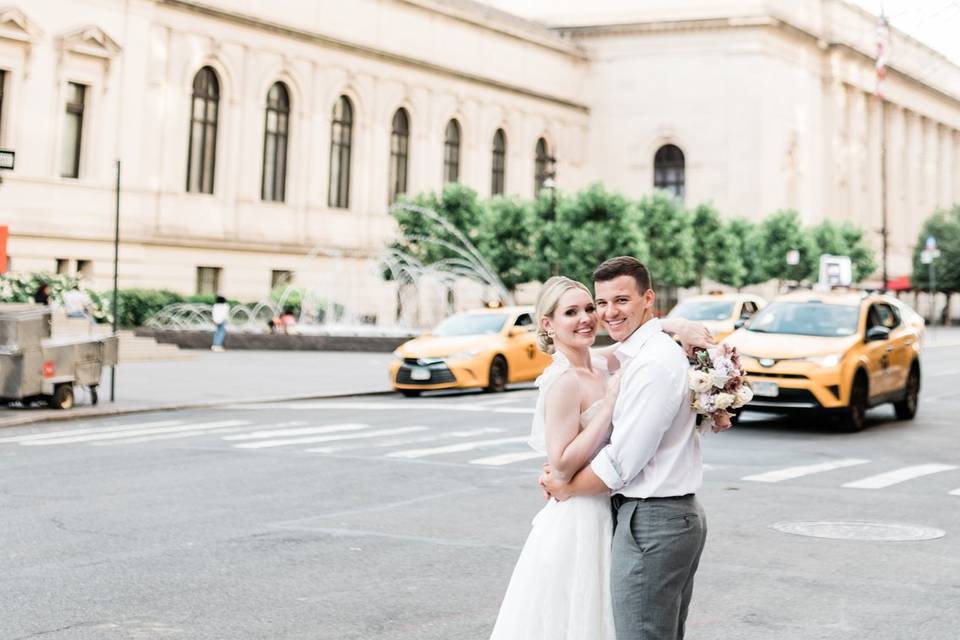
x: 560, y: 588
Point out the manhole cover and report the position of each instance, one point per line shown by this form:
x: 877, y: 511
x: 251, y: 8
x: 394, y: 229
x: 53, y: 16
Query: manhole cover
x: 874, y: 531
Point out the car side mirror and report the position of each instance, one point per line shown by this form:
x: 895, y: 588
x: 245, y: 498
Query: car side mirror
x: 516, y: 331
x: 877, y: 333
x: 739, y: 324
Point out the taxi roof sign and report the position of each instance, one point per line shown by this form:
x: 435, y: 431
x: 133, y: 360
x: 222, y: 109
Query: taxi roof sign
x: 7, y: 157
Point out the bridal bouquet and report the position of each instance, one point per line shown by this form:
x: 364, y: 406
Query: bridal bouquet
x: 718, y: 385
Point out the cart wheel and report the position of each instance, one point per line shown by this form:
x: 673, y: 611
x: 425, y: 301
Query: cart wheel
x: 63, y: 396
x: 94, y: 398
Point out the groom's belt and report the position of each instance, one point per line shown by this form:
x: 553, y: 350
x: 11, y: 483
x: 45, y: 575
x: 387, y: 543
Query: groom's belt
x: 619, y: 499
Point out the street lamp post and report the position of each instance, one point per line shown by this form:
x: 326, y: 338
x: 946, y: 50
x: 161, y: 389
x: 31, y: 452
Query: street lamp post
x: 927, y: 256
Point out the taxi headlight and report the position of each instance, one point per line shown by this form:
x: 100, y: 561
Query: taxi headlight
x: 831, y: 360
x: 463, y: 355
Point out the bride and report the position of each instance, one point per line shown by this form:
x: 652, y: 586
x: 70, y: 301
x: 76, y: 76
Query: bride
x: 560, y: 588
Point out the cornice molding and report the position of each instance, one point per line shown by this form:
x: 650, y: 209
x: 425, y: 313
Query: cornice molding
x: 90, y: 41
x: 16, y: 26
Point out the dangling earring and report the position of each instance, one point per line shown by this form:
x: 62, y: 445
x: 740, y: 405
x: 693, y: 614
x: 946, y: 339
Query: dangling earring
x: 551, y: 334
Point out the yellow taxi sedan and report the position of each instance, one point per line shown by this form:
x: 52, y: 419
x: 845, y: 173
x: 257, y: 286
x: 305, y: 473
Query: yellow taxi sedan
x: 839, y: 352
x: 721, y: 313
x: 485, y: 348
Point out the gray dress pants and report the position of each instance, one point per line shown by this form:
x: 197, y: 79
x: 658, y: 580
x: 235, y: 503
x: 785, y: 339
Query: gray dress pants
x: 657, y: 544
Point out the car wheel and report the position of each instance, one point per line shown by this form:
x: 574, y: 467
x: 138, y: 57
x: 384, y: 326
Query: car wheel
x: 907, y: 408
x: 62, y: 396
x: 855, y: 415
x: 497, y: 380
x: 410, y: 393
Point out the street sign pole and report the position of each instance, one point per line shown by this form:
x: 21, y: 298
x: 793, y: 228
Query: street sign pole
x: 116, y: 263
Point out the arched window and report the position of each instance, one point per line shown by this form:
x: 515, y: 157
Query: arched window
x: 451, y: 152
x: 275, y: 134
x: 499, y: 170
x: 341, y: 130
x: 668, y: 170
x: 202, y: 157
x: 399, y: 153
x: 542, y: 167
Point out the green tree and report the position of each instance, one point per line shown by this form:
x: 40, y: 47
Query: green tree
x: 944, y: 226
x: 666, y: 227
x: 716, y: 253
x: 506, y: 240
x: 780, y: 233
x: 844, y: 240
x: 590, y: 227
x: 746, y: 240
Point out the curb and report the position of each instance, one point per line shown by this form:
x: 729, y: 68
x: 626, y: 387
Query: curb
x: 63, y: 416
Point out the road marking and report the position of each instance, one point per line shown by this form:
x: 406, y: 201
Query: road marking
x: 453, y: 448
x: 403, y: 441
x: 137, y: 432
x: 882, y: 480
x: 83, y: 430
x: 955, y: 492
x: 330, y: 428
x: 805, y: 470
x: 166, y: 436
x: 364, y: 406
x: 264, y: 444
x: 507, y: 458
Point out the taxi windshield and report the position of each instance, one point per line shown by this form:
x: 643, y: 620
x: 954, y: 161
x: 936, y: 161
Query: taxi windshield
x: 700, y: 311
x: 471, y: 324
x: 807, y: 319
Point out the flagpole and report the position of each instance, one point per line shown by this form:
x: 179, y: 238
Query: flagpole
x: 881, y: 67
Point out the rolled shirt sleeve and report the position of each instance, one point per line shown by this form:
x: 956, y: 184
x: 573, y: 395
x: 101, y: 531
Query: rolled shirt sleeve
x: 651, y: 394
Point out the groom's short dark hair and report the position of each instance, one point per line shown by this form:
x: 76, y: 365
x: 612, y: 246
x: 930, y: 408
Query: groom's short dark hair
x: 624, y: 266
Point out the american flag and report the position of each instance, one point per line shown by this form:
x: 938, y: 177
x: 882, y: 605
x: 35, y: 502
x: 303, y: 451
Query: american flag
x: 883, y: 34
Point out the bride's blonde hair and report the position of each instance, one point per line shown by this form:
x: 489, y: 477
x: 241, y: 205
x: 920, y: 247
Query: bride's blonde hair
x: 547, y: 302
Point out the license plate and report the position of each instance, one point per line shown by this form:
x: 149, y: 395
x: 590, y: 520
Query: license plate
x: 419, y: 373
x: 765, y: 389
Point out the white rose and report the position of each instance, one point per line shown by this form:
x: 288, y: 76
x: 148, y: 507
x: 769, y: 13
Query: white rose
x: 744, y: 395
x: 699, y: 381
x: 724, y: 400
x: 719, y: 378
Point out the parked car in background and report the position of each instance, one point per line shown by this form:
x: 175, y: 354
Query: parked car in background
x: 838, y: 352
x: 483, y: 348
x: 719, y: 312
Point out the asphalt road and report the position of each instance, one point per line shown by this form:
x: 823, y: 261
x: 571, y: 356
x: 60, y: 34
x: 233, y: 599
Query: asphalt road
x: 388, y: 518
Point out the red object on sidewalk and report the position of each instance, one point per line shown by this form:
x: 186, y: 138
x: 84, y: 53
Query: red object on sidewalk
x: 4, y: 234
x: 899, y: 284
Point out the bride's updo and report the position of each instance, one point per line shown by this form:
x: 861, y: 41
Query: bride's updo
x: 546, y: 305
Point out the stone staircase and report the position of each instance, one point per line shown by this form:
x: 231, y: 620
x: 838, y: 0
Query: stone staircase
x: 131, y: 348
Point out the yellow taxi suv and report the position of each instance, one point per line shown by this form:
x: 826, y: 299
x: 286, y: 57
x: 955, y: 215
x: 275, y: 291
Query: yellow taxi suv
x: 841, y: 352
x: 719, y: 312
x: 486, y: 348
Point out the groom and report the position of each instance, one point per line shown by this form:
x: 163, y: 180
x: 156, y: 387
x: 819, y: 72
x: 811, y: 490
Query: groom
x: 652, y: 466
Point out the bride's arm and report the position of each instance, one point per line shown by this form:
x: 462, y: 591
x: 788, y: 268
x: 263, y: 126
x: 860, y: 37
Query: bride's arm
x: 568, y: 448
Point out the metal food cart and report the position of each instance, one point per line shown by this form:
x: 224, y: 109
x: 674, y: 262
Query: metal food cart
x: 36, y: 367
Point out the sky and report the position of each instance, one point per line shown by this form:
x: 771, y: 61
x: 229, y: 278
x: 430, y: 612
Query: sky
x: 936, y: 23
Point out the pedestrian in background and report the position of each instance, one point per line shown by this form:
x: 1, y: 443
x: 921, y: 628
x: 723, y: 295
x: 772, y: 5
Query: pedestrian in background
x: 42, y: 294
x: 75, y: 302
x: 220, y: 312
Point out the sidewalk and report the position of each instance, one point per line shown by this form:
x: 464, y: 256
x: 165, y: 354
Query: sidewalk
x: 935, y: 337
x: 219, y: 378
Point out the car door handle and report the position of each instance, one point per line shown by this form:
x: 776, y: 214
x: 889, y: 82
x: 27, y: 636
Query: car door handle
x: 889, y: 349
x: 908, y: 342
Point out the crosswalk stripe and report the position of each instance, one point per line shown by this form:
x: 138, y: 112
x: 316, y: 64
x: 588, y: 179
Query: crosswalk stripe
x: 372, y: 406
x: 955, y: 492
x: 453, y: 448
x: 137, y: 432
x: 83, y: 430
x: 329, y: 428
x: 403, y: 441
x: 263, y: 444
x: 795, y: 472
x: 507, y: 458
x: 166, y: 436
x: 883, y: 480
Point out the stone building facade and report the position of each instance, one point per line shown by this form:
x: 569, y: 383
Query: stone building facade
x: 262, y: 141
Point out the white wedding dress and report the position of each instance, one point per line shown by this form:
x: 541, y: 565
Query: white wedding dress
x: 560, y: 588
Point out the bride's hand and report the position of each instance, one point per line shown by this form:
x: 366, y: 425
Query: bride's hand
x: 613, y: 387
x: 694, y: 334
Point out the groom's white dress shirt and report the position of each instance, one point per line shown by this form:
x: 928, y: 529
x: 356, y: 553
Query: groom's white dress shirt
x: 654, y: 448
